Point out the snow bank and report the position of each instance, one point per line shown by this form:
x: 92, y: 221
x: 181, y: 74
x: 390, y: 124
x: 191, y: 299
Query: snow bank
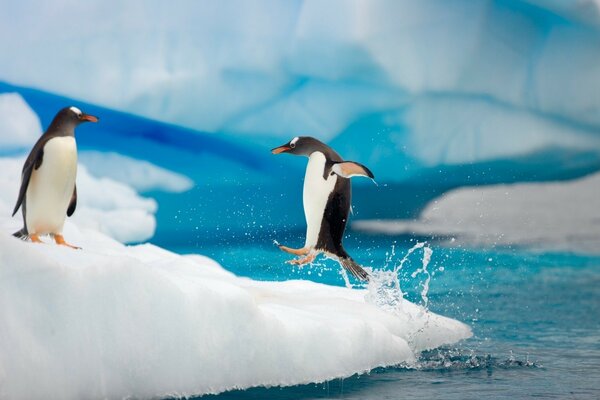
x: 552, y: 216
x: 102, y: 204
x: 111, y: 321
x: 19, y: 125
x: 141, y: 175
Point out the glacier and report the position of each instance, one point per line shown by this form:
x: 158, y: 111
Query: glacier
x: 459, y: 87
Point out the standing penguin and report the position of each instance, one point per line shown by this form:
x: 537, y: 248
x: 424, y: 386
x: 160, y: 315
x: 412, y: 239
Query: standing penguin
x: 48, y: 193
x: 326, y: 197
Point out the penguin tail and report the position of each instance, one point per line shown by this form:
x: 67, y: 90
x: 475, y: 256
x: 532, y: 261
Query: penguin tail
x: 21, y: 234
x: 350, y: 265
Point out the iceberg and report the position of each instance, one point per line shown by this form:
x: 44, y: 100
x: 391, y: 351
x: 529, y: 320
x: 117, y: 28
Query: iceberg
x: 141, y: 175
x: 19, y: 125
x: 114, y: 321
x: 481, y: 84
x: 550, y: 216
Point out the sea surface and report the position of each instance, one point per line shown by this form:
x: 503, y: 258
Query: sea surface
x: 535, y: 317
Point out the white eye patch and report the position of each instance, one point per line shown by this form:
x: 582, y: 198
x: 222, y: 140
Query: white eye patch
x: 294, y: 140
x: 76, y: 110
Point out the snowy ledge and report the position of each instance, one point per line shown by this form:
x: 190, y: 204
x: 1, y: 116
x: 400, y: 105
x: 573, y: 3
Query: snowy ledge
x: 546, y: 216
x: 114, y: 321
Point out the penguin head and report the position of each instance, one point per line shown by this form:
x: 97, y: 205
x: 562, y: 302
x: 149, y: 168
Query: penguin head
x: 75, y: 115
x: 301, y: 146
x: 67, y: 119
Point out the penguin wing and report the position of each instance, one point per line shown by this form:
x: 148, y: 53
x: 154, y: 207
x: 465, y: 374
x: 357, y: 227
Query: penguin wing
x: 73, y: 203
x: 33, y: 162
x: 348, y: 169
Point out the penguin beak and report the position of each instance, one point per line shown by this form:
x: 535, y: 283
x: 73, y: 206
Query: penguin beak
x: 281, y: 149
x: 87, y: 117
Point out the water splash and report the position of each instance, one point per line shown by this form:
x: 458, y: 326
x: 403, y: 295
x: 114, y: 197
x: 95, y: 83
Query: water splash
x: 448, y: 359
x: 384, y: 289
x: 423, y: 270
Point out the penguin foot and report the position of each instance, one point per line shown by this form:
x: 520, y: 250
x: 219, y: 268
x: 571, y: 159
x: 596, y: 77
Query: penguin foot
x: 299, y: 252
x: 60, y: 240
x: 305, y: 260
x: 35, y: 238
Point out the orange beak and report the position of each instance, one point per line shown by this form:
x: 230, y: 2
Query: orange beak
x: 281, y: 149
x: 90, y: 118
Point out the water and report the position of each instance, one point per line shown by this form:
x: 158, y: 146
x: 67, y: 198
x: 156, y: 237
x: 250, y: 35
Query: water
x: 535, y: 318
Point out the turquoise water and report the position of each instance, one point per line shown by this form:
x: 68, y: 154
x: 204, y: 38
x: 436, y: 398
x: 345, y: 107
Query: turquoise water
x: 535, y: 318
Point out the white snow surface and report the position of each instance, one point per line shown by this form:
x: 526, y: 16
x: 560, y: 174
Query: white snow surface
x: 560, y: 216
x: 102, y: 204
x: 141, y: 175
x: 20, y: 126
x: 287, y: 68
x: 112, y: 321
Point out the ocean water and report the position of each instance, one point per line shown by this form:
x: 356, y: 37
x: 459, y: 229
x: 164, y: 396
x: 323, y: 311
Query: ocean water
x: 535, y: 317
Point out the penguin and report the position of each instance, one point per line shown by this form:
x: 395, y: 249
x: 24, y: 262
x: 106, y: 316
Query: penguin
x: 327, y: 201
x: 48, y: 193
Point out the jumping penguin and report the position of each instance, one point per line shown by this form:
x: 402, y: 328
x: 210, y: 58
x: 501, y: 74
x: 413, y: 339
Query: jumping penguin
x: 48, y: 193
x: 326, y: 198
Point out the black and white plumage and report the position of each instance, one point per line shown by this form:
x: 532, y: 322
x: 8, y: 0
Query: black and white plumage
x: 327, y: 200
x: 48, y: 193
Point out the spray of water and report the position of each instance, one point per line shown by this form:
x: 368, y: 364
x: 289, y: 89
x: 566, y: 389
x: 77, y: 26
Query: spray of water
x: 423, y: 270
x: 384, y: 289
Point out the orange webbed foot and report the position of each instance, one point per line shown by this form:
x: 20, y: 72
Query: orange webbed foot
x: 35, y: 238
x: 298, y: 252
x: 60, y: 240
x: 305, y: 260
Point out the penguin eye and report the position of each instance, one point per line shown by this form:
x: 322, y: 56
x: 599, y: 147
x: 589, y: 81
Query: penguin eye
x: 292, y: 145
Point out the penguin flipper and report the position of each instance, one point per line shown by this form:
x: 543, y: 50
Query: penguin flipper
x: 348, y: 169
x: 73, y: 203
x: 33, y: 162
x: 351, y: 266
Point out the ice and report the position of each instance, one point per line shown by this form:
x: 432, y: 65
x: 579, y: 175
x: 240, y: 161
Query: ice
x: 509, y: 78
x: 111, y: 321
x: 141, y: 175
x: 549, y: 216
x: 19, y: 124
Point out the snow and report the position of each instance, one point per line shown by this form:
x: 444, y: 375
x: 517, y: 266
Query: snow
x: 19, y: 124
x: 112, y: 321
x: 522, y: 69
x: 102, y: 204
x: 557, y: 216
x: 141, y: 175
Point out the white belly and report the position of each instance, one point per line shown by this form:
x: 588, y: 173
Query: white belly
x: 315, y: 196
x: 51, y: 187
